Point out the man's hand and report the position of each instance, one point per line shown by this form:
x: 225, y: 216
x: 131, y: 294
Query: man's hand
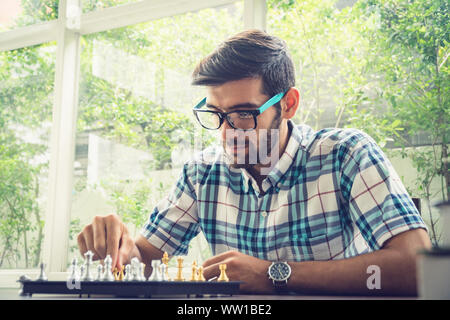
x: 241, y: 267
x: 108, y: 235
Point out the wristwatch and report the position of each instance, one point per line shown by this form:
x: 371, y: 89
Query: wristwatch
x: 279, y: 272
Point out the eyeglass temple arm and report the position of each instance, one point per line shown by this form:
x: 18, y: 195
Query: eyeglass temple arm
x: 201, y: 103
x: 271, y: 102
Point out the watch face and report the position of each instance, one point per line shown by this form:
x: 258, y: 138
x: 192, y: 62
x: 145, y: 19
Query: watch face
x: 280, y: 271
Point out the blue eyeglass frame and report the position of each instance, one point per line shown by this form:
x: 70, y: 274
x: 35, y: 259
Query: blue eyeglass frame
x: 224, y: 115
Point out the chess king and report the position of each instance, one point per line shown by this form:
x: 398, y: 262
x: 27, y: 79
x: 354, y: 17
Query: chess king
x: 286, y: 208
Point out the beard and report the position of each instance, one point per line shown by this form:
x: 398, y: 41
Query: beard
x: 245, y: 150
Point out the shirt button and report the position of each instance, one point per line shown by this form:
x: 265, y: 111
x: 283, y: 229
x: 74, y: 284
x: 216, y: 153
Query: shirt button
x: 264, y: 214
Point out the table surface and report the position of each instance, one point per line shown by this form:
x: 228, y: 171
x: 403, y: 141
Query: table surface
x: 13, y: 294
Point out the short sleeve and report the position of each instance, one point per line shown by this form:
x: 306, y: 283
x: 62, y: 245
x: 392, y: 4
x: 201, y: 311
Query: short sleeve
x: 378, y: 202
x: 173, y: 223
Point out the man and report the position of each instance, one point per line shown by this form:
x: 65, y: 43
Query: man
x: 320, y: 217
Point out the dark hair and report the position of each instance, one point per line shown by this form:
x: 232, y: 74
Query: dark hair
x: 249, y: 54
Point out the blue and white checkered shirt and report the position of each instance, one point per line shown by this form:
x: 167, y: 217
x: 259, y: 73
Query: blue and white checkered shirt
x: 333, y: 194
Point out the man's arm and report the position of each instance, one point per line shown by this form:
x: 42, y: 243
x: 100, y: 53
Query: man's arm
x: 396, y: 262
x: 148, y: 252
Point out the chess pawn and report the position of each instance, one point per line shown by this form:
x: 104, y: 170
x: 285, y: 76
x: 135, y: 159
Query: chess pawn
x: 164, y: 273
x: 42, y: 275
x: 99, y: 273
x: 200, y: 276
x: 141, y: 267
x: 135, y: 270
x: 194, y: 272
x: 223, y: 276
x: 108, y: 275
x: 128, y: 274
x: 179, y: 276
x: 74, y: 276
x: 82, y: 268
x: 156, y: 272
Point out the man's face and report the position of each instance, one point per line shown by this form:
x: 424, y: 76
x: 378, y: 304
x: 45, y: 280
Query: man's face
x: 245, y: 148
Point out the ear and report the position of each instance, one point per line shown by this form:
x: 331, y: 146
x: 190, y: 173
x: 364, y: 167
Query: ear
x: 290, y: 103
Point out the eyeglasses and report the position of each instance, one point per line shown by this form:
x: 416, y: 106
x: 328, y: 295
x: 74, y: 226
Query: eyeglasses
x: 239, y: 120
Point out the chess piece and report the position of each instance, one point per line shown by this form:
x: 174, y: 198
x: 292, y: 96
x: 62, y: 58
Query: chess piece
x: 120, y: 276
x: 223, y: 276
x: 128, y: 275
x: 135, y: 269
x: 74, y: 276
x: 99, y: 273
x: 200, y: 276
x: 179, y: 276
x: 81, y: 275
x: 108, y: 275
x: 165, y: 261
x: 42, y: 275
x: 156, y: 272
x: 164, y: 273
x: 88, y: 276
x: 194, y: 272
x: 141, y: 267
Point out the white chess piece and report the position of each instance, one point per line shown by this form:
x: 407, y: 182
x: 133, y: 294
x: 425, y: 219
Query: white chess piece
x: 163, y: 268
x: 135, y: 269
x: 42, y: 275
x: 108, y: 275
x: 74, y: 276
x: 128, y: 274
x: 99, y: 273
x: 88, y: 275
x: 141, y: 272
x: 82, y: 273
x: 156, y: 273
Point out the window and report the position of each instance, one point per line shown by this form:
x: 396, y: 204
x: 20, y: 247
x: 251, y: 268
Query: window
x: 26, y: 97
x: 16, y: 13
x: 93, y: 5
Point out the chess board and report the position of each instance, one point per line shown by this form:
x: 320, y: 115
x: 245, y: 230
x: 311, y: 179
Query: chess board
x: 146, y: 289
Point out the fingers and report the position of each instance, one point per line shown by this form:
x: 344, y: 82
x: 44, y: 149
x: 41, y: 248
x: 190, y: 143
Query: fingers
x: 99, y: 236
x: 114, y: 229
x: 106, y: 236
x: 211, y: 271
x: 87, y: 240
x: 82, y: 244
x: 219, y: 258
x: 126, y: 247
x: 211, y: 265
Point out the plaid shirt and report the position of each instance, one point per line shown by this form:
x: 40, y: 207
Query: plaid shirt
x: 333, y: 194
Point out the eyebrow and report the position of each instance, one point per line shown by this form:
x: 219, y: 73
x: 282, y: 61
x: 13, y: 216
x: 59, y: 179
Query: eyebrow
x: 237, y: 106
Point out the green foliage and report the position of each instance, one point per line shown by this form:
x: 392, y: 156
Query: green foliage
x: 26, y: 83
x: 410, y: 75
x: 384, y: 64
